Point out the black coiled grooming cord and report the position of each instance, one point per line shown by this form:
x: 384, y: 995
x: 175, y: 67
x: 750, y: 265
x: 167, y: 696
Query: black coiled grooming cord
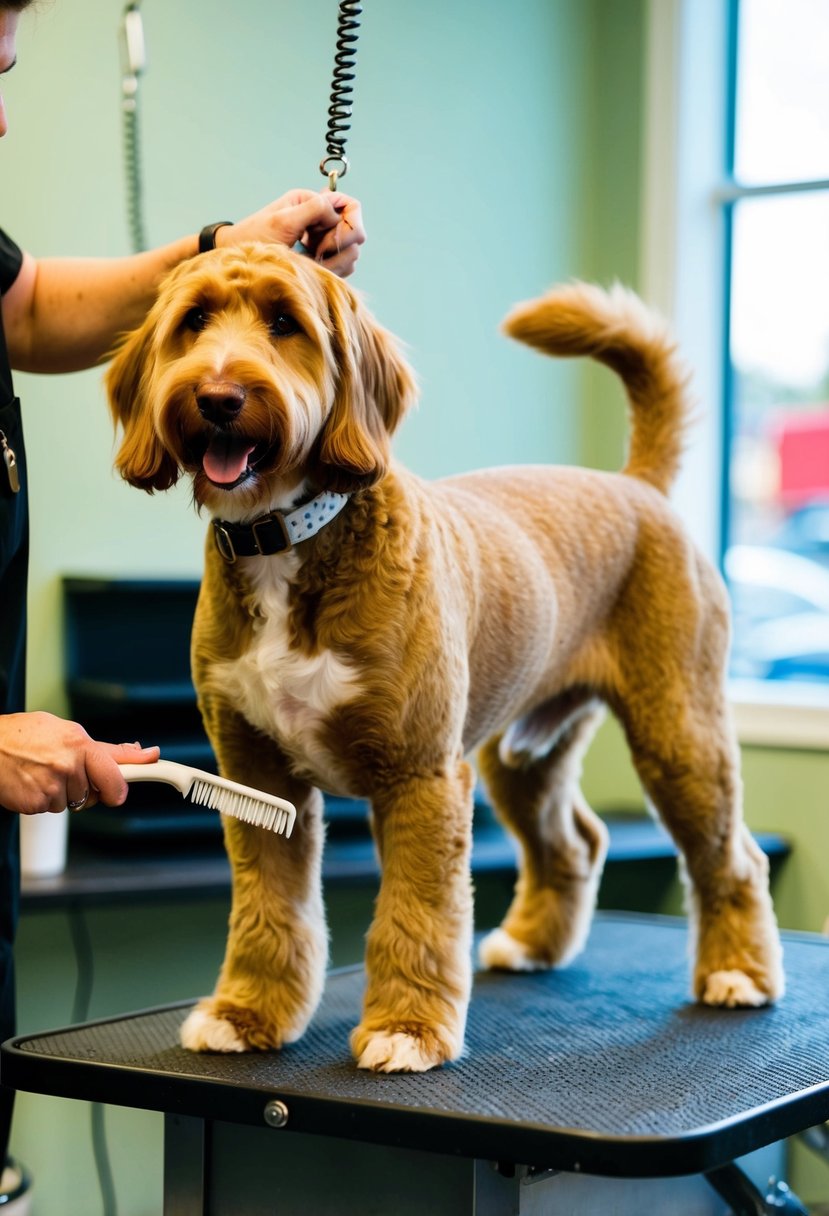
x: 335, y: 164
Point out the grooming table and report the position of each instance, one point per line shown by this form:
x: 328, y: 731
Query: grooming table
x: 604, y: 1069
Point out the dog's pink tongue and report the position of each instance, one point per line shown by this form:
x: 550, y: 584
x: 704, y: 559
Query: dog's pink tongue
x: 226, y: 458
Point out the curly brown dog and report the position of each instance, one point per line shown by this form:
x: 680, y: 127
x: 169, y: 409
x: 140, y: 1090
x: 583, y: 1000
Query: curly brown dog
x: 361, y: 631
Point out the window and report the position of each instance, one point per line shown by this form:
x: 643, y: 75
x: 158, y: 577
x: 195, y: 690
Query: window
x: 776, y: 400
x: 735, y: 251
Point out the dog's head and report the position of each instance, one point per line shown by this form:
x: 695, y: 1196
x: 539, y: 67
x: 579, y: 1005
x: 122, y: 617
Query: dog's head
x: 257, y: 371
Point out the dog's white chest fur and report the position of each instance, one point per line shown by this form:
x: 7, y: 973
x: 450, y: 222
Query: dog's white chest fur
x: 279, y: 690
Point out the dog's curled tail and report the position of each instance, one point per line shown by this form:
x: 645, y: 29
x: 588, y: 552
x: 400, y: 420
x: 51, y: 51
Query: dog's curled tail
x: 617, y: 329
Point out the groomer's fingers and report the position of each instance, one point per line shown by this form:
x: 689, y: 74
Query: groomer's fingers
x: 284, y: 221
x: 338, y: 247
x: 343, y: 262
x: 106, y: 784
x: 328, y: 223
x: 348, y: 230
x: 320, y: 211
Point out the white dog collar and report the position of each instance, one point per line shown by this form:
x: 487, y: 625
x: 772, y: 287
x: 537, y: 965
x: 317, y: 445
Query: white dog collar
x: 278, y: 531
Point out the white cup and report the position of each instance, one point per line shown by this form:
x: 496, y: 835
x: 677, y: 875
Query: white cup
x: 43, y: 840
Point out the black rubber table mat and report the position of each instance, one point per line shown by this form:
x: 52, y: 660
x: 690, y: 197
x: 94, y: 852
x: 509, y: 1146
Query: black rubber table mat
x: 605, y: 1067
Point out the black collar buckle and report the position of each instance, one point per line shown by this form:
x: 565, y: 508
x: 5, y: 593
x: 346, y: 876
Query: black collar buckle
x: 264, y: 536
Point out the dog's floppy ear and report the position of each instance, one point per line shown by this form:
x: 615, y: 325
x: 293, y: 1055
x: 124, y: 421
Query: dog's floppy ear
x: 375, y: 386
x: 141, y: 460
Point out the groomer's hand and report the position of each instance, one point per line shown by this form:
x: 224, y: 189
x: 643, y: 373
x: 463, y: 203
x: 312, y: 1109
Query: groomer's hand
x: 47, y: 764
x: 327, y: 222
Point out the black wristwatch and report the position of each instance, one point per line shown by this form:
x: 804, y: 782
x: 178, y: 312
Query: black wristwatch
x: 207, y: 236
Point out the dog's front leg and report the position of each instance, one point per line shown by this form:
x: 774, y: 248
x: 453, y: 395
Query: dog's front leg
x: 274, y: 969
x: 418, y: 947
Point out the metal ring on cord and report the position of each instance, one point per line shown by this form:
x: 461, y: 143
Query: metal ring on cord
x: 333, y: 173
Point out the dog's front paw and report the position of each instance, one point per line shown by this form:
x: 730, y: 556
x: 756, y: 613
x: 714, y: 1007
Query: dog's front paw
x: 202, y: 1031
x: 734, y: 990
x: 411, y: 1049
x: 500, y: 952
x: 221, y: 1026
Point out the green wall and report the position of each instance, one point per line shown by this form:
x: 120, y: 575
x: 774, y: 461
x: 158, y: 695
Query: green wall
x: 496, y: 149
x: 469, y: 153
x: 612, y: 204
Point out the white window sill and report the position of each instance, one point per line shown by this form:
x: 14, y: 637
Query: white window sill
x: 786, y: 715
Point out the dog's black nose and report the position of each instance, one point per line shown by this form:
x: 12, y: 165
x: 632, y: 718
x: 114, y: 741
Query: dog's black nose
x: 220, y: 401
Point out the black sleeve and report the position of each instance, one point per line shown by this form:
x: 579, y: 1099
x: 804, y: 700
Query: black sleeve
x: 11, y: 258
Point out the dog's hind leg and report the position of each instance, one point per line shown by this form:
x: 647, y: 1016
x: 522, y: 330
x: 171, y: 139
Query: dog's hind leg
x: 418, y: 948
x: 535, y: 792
x: 273, y: 973
x: 678, y: 726
x: 686, y: 757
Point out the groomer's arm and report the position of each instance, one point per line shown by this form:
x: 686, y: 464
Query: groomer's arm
x: 65, y: 314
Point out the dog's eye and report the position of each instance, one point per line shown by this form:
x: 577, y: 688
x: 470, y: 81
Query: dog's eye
x: 195, y: 319
x: 283, y: 325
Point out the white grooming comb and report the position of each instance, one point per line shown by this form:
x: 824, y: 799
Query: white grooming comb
x: 227, y: 797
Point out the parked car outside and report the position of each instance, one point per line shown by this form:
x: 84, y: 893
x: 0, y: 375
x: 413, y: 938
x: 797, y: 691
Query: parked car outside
x: 780, y: 603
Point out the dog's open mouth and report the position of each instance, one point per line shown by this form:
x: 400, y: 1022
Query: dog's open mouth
x: 228, y: 459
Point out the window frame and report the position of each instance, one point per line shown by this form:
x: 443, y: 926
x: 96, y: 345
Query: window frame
x: 688, y: 198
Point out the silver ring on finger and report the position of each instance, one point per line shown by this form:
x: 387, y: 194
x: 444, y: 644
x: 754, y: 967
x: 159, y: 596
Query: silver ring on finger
x: 81, y: 802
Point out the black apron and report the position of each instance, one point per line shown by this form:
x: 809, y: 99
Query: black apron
x: 14, y: 556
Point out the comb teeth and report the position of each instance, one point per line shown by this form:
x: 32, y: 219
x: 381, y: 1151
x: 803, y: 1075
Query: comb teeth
x: 239, y: 806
